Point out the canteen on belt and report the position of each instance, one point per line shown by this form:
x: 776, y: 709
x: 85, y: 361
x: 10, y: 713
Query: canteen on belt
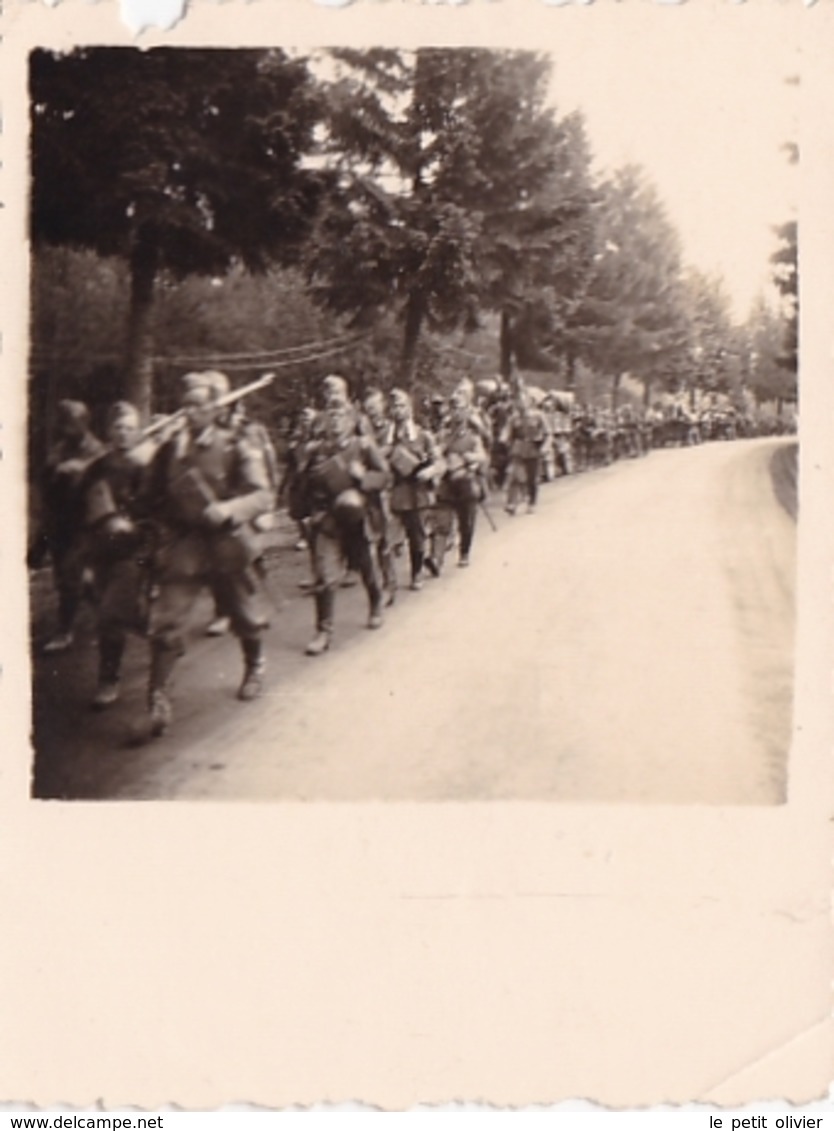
x: 349, y: 507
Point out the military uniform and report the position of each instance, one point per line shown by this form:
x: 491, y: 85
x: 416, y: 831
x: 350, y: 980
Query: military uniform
x: 118, y: 549
x: 563, y: 439
x: 381, y: 430
x: 63, y: 513
x: 340, y: 471
x: 205, y: 490
x: 462, y: 487
x: 416, y: 463
x: 526, y: 435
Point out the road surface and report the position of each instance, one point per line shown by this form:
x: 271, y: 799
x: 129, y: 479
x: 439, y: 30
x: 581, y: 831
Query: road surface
x: 632, y: 641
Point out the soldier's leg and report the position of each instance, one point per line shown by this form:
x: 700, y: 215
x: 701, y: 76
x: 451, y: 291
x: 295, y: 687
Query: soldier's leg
x: 532, y: 468
x: 171, y: 611
x: 365, y: 556
x: 122, y: 609
x: 242, y: 595
x: 417, y: 547
x: 221, y: 621
x: 327, y: 570
x: 68, y: 569
x: 442, y: 522
x: 514, y: 474
x: 467, y: 512
x: 415, y: 538
x: 111, y: 646
x: 387, y: 569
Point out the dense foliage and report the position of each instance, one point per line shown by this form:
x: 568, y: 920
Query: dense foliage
x: 398, y: 216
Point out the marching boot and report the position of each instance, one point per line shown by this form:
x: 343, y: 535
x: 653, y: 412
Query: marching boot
x: 254, y: 669
x: 375, y: 606
x: 389, y: 577
x: 416, y: 569
x: 324, y: 623
x: 110, y: 651
x: 163, y: 660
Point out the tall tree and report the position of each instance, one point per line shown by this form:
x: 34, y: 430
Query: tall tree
x: 768, y: 377
x: 444, y: 155
x: 785, y: 263
x: 630, y: 318
x: 716, y: 344
x: 180, y: 161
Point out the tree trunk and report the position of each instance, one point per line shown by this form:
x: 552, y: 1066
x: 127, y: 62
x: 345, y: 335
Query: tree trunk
x: 647, y: 392
x: 414, y: 314
x: 138, y: 380
x: 615, y: 390
x: 570, y: 366
x: 506, y: 346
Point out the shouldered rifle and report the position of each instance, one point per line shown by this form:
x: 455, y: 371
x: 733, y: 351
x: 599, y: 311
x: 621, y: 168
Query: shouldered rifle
x: 227, y: 399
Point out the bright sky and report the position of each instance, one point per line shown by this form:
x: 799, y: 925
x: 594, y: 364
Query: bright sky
x: 696, y: 95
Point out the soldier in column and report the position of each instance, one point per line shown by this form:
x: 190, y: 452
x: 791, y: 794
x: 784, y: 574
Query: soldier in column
x: 548, y: 411
x: 526, y: 435
x: 377, y: 424
x: 341, y: 471
x: 463, y: 485
x: 254, y: 434
x: 206, y: 487
x: 117, y: 544
x: 74, y: 450
x: 291, y: 485
x: 416, y: 467
x: 563, y: 435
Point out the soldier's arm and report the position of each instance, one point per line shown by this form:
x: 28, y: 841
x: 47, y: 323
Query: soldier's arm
x: 477, y: 458
x: 373, y: 473
x: 373, y: 455
x: 433, y: 457
x: 256, y: 495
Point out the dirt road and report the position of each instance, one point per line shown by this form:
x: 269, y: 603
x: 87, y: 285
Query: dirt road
x: 631, y: 641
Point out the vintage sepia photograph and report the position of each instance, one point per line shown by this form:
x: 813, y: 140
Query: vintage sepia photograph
x: 413, y: 423
x: 417, y: 464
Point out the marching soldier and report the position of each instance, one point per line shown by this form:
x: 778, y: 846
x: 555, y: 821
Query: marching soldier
x: 377, y: 424
x: 562, y: 436
x: 463, y: 484
x: 416, y: 465
x: 207, y: 485
x: 117, y: 544
x: 254, y: 434
x: 526, y: 435
x: 75, y: 449
x: 341, y: 470
x: 548, y: 411
x: 292, y: 482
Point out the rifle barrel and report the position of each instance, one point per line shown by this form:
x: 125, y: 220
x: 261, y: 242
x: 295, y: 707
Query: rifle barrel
x: 230, y: 398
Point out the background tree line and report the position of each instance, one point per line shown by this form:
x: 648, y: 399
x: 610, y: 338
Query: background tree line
x: 397, y: 216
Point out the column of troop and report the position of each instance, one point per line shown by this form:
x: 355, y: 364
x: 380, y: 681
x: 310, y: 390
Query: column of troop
x: 150, y: 519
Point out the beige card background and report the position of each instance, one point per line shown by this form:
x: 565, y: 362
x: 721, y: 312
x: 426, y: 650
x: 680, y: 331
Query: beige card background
x: 395, y: 954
